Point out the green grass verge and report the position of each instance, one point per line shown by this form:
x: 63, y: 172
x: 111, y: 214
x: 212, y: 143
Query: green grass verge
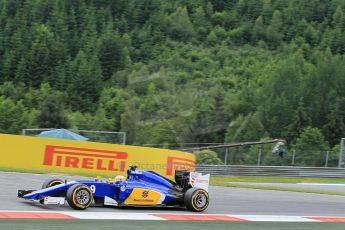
x: 159, y: 225
x: 293, y: 180
x: 225, y: 181
x: 282, y: 189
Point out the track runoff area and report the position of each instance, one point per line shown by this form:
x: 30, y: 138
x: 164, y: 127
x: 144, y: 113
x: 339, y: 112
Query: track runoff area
x: 230, y: 207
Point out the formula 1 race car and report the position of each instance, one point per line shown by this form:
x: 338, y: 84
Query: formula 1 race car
x: 140, y: 188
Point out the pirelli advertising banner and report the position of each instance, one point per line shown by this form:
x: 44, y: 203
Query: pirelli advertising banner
x: 34, y: 154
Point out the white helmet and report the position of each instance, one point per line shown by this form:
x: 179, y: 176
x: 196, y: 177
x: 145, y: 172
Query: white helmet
x: 120, y: 178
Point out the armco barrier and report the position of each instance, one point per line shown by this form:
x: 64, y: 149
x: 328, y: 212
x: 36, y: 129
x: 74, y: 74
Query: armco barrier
x: 23, y: 153
x: 282, y: 171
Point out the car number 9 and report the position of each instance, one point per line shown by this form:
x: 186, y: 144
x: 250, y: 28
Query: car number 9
x: 93, y: 188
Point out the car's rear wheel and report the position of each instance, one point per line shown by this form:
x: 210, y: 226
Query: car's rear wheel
x: 79, y: 196
x: 196, y: 199
x: 52, y: 182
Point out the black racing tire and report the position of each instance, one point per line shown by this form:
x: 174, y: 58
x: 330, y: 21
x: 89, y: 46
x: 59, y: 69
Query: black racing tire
x: 52, y: 182
x: 196, y: 199
x: 79, y: 196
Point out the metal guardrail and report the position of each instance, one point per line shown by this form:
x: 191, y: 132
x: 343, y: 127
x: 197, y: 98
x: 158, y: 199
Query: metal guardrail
x: 282, y: 171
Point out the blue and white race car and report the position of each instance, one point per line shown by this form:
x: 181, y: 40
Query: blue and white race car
x: 140, y: 188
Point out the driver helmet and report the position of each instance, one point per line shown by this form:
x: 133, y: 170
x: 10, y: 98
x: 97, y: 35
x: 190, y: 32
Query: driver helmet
x: 120, y: 178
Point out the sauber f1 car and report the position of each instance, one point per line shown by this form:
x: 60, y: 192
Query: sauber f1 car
x: 140, y: 188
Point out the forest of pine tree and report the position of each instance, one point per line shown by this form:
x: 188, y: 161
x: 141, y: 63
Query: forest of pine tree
x: 176, y: 71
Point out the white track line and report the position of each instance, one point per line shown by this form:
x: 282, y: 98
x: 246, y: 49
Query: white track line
x: 4, y: 214
x: 266, y: 218
x: 111, y: 216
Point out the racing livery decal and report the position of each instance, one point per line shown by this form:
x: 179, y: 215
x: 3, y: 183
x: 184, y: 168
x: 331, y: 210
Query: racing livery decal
x: 145, y: 194
x: 84, y: 158
x: 141, y: 196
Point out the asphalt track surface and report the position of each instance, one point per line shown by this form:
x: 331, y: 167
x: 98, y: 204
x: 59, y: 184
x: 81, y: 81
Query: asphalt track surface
x: 223, y: 200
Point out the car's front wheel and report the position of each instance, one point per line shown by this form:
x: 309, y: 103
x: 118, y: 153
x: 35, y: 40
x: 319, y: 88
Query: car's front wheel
x: 79, y: 196
x: 51, y: 182
x: 196, y: 199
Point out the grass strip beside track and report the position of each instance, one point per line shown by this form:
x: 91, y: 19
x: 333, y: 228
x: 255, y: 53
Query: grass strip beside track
x: 292, y: 180
x: 159, y: 225
x: 226, y: 182
x: 282, y: 189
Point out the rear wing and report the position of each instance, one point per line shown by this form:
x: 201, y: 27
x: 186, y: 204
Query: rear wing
x: 197, y: 180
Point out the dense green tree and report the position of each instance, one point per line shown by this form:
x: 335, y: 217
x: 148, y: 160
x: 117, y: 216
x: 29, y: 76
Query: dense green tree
x: 199, y: 18
x: 13, y: 116
x: 85, y: 78
x: 259, y: 29
x: 310, y: 147
x: 338, y: 18
x: 157, y: 132
x: 334, y: 128
x: 113, y: 54
x: 42, y: 58
x: 300, y: 120
x: 249, y: 128
x: 52, y: 114
x: 113, y: 101
x: 181, y: 27
x: 273, y: 32
x: 177, y: 71
x: 207, y: 157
